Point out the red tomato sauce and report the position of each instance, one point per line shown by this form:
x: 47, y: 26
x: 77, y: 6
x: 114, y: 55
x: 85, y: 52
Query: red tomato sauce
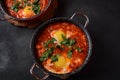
x: 75, y: 33
x: 25, y: 8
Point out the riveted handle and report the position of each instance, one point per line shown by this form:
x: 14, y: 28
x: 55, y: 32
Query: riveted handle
x: 34, y: 75
x: 81, y: 14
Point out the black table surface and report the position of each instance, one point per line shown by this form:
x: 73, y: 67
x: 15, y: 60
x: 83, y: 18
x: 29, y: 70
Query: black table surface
x: 104, y: 28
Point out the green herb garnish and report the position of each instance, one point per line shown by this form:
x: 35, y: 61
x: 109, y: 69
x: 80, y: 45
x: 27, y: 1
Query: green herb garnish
x: 70, y: 53
x: 45, y: 44
x: 15, y: 7
x: 54, y: 58
x: 46, y: 54
x: 79, y: 49
x: 65, y: 42
x: 35, y: 2
x: 53, y: 40
x: 36, y: 7
x: 63, y: 36
x: 26, y: 3
x: 68, y: 42
x: 71, y: 42
x: 49, y: 42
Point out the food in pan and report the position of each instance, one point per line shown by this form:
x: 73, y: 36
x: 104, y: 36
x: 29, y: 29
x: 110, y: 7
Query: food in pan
x: 25, y: 8
x: 61, y: 47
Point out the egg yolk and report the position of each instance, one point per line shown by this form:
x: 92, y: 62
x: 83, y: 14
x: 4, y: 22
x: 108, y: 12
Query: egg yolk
x: 58, y: 35
x: 62, y: 62
x: 28, y: 12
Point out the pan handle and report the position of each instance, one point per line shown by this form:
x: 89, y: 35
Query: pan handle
x: 81, y: 14
x: 34, y: 75
x: 2, y: 19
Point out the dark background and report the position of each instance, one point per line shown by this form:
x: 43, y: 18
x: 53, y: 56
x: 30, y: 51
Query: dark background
x: 104, y: 27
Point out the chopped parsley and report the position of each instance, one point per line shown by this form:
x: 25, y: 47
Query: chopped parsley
x: 54, y: 58
x: 49, y: 42
x: 68, y: 41
x: 70, y: 53
x: 79, y: 49
x: 15, y: 7
x: 36, y: 7
x: 46, y: 54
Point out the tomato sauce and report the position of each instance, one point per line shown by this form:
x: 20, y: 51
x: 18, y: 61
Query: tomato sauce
x: 69, y: 62
x: 25, y: 8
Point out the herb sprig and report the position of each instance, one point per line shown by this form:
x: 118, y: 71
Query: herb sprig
x: 15, y: 7
x: 70, y: 52
x: 49, y: 42
x: 68, y: 41
x: 54, y: 58
x: 46, y: 54
x: 36, y: 7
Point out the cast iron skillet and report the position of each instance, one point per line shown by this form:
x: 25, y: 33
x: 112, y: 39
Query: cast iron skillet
x: 3, y: 8
x: 37, y: 63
